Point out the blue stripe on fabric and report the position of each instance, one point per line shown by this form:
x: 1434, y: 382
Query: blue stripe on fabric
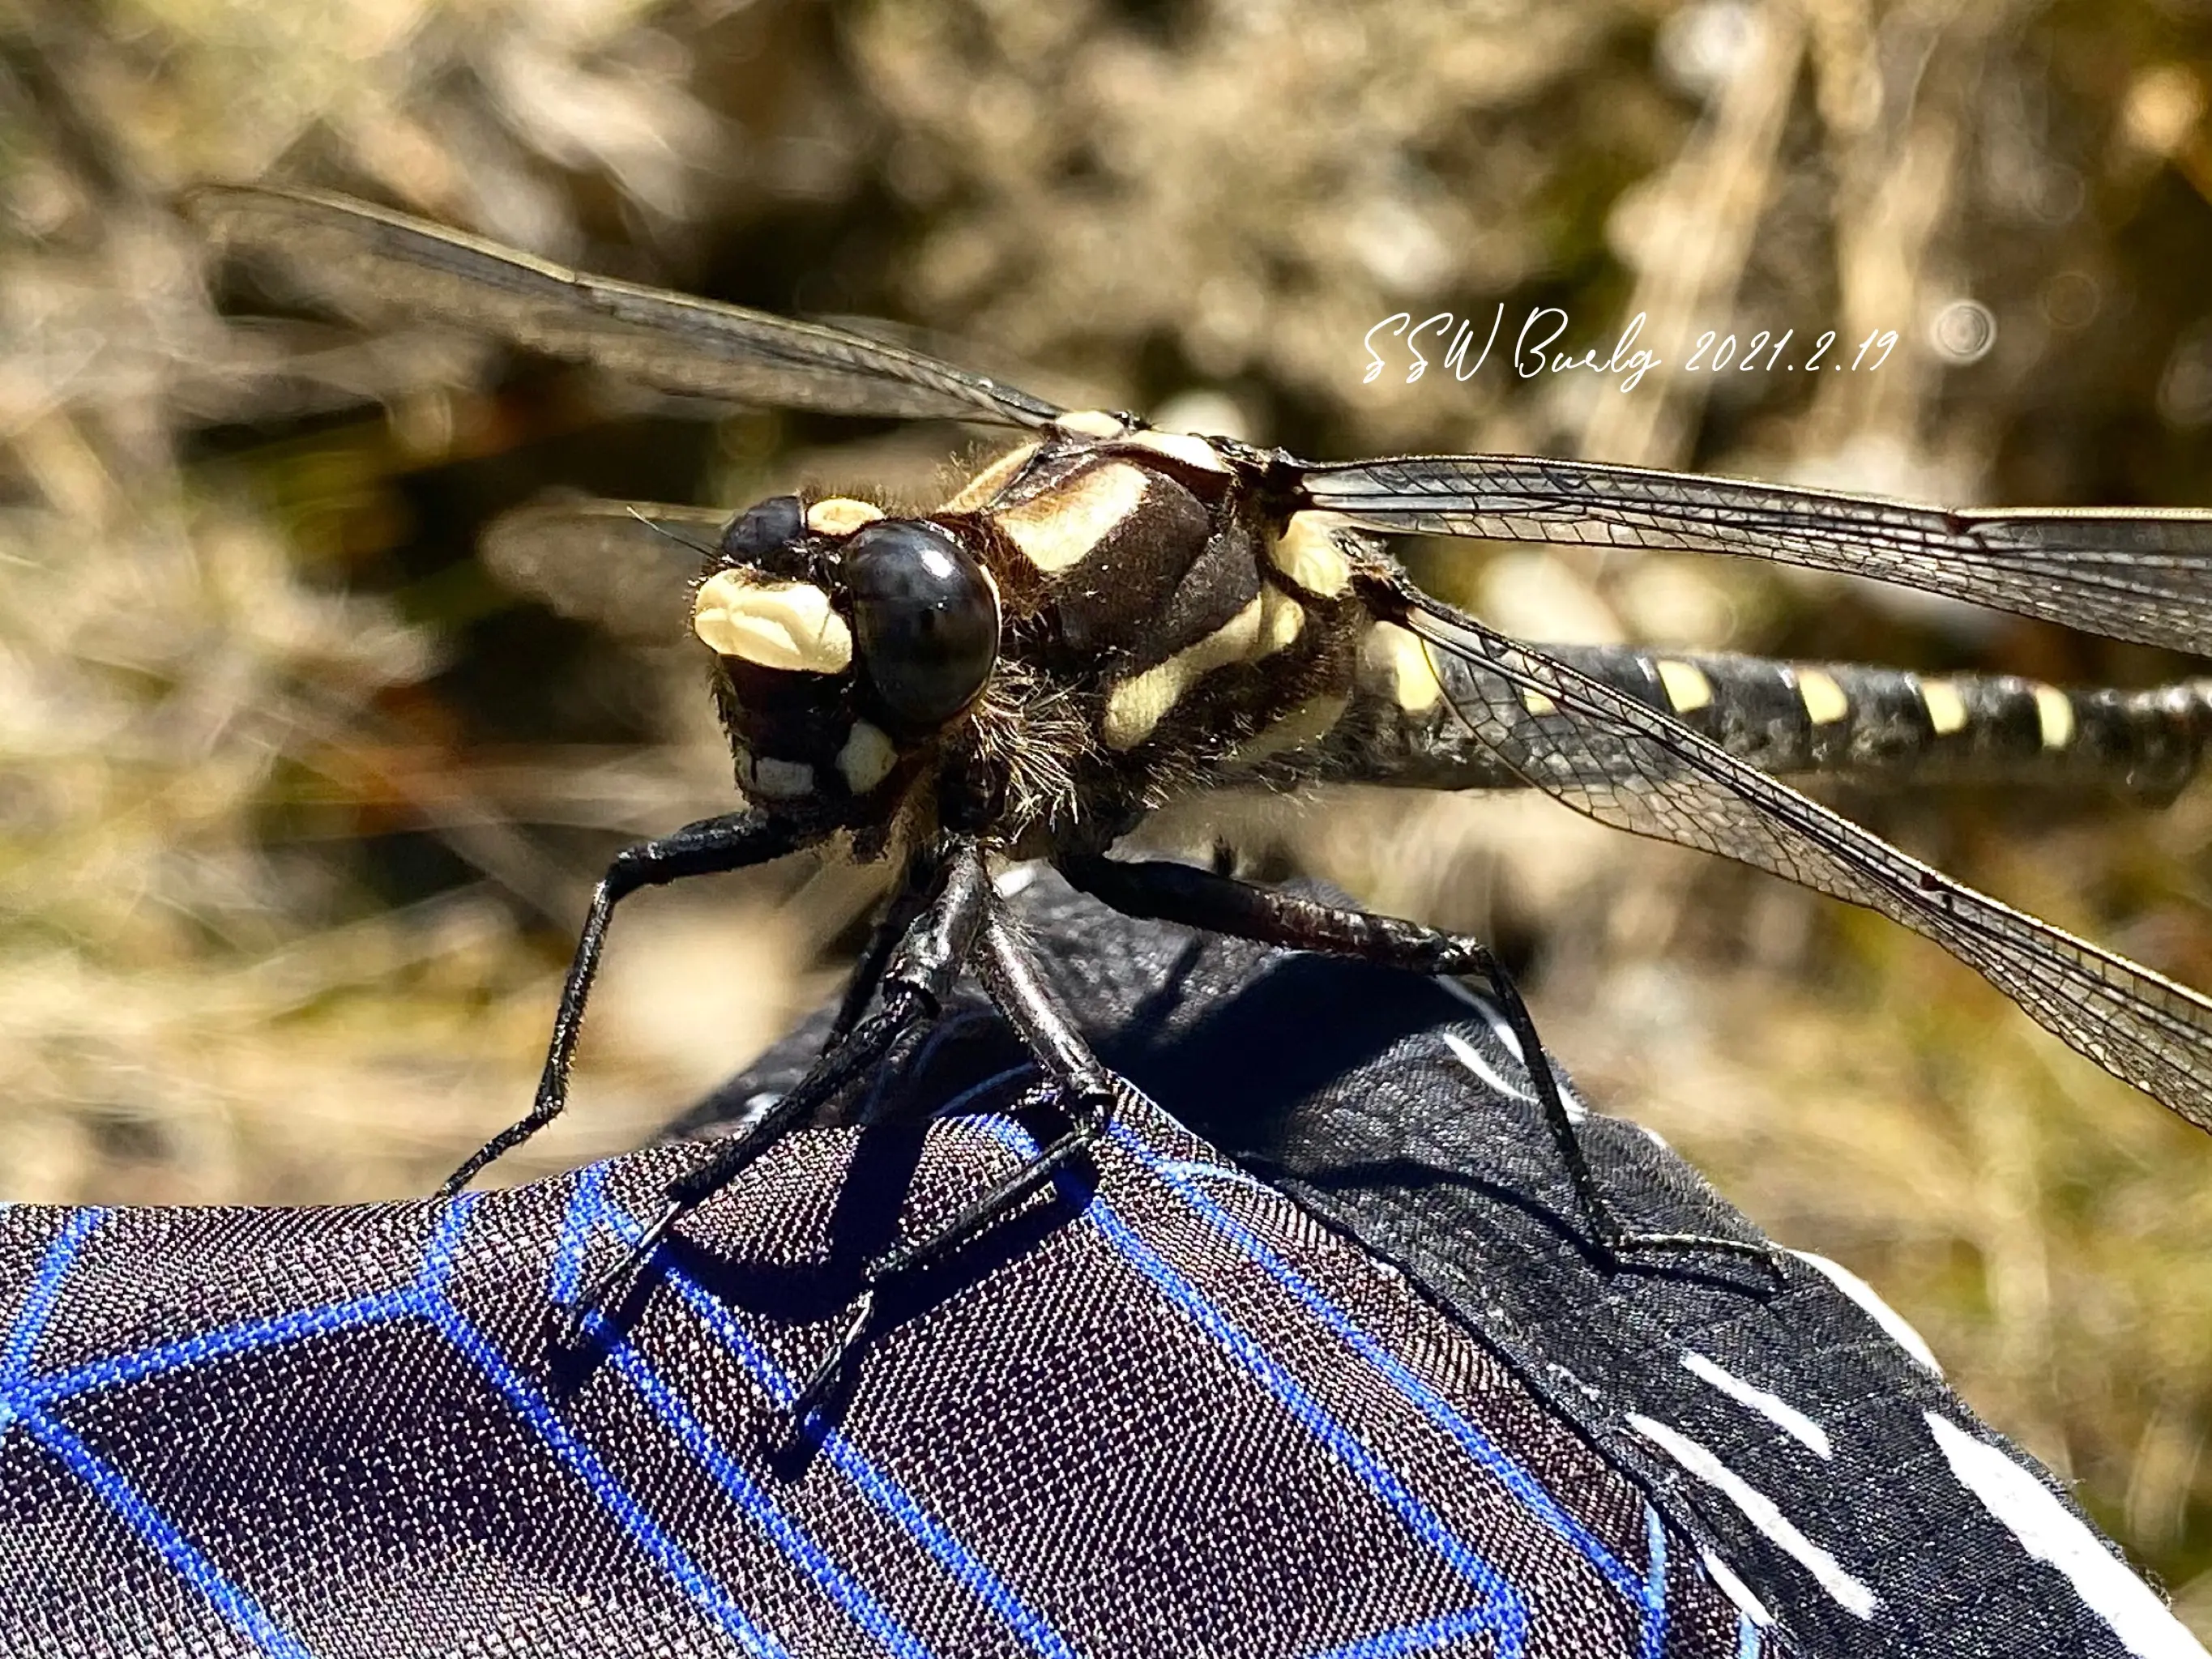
x: 1749, y: 1644
x: 38, y: 1300
x: 967, y: 1568
x: 156, y: 1530
x: 961, y: 1563
x: 851, y: 1596
x: 273, y: 1332
x: 974, y: 1091
x: 1648, y: 1595
x: 1410, y: 1638
x: 240, y: 1610
x: 627, y: 1513
x: 243, y: 1338
x: 1504, y: 1615
x: 586, y: 1207
x: 1178, y: 1176
x: 1654, y: 1623
x: 445, y: 1243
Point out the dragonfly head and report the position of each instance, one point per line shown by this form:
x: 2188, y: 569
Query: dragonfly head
x: 845, y: 641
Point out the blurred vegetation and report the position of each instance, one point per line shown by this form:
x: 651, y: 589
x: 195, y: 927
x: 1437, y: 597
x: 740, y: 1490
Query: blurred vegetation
x: 297, y: 810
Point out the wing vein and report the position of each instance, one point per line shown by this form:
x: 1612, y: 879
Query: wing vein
x: 1621, y: 762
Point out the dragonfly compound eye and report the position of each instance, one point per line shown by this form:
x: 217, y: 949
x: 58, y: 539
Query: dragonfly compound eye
x: 761, y: 529
x: 926, y: 621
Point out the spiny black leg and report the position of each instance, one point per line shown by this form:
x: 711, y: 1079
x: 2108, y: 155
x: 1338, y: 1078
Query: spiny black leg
x: 922, y: 968
x: 709, y: 846
x: 925, y: 961
x: 903, y: 1007
x: 1158, y: 890
x: 1009, y: 970
x: 918, y: 885
x: 1082, y: 1088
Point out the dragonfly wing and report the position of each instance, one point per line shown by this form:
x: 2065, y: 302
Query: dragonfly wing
x: 374, y: 260
x: 1624, y: 764
x: 627, y: 566
x: 2143, y: 575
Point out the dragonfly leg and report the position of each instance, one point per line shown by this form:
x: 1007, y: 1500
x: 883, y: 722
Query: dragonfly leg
x: 918, y: 883
x: 733, y: 841
x: 1158, y: 890
x: 927, y: 960
x: 1081, y: 1087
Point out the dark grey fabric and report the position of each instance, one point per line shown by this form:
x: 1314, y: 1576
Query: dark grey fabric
x: 1375, y: 1403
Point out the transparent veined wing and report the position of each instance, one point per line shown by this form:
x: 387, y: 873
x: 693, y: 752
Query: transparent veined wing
x: 2131, y: 574
x: 373, y: 260
x: 1624, y: 764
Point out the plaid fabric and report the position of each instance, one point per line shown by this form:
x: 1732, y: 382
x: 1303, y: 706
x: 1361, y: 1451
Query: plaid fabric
x: 1166, y: 1410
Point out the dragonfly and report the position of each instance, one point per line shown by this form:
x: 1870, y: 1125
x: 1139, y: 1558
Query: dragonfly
x: 1108, y: 615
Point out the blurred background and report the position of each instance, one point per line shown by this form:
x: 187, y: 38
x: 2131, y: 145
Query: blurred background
x: 298, y: 809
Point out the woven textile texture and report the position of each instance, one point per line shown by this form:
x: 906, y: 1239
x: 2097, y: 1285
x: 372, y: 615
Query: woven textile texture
x: 1337, y: 1378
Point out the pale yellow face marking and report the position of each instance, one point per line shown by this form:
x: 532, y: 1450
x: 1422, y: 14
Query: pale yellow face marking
x: 1309, y: 722
x: 1536, y: 703
x: 2054, y: 713
x: 840, y: 515
x: 1395, y: 657
x: 785, y: 625
x: 865, y: 760
x: 775, y: 780
x: 1135, y: 706
x: 1947, y: 709
x: 1824, y: 699
x: 1091, y: 423
x: 1308, y: 553
x: 1687, y: 687
x: 982, y: 489
x: 1194, y: 452
x: 1061, y: 528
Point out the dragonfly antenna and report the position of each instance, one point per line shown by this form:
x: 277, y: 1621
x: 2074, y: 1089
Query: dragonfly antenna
x: 663, y: 530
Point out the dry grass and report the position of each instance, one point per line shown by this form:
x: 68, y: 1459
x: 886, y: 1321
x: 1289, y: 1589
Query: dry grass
x: 295, y: 810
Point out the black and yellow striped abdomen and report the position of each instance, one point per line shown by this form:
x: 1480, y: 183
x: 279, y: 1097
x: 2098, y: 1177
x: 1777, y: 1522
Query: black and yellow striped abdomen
x: 1793, y: 719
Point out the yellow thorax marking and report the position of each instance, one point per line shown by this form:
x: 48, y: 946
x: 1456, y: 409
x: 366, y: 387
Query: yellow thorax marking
x: 1307, y: 552
x: 1060, y: 527
x: 768, y: 779
x: 1282, y: 619
x: 1396, y: 657
x: 980, y: 490
x: 1091, y: 423
x: 771, y: 624
x: 1309, y: 722
x: 840, y: 515
x: 1135, y: 706
x: 1194, y: 452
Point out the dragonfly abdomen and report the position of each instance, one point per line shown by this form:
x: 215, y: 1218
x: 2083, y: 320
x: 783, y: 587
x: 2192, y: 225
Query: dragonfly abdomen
x: 1795, y: 719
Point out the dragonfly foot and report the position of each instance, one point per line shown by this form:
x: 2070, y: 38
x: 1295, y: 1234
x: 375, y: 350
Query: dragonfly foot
x: 570, y: 1323
x: 833, y: 1363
